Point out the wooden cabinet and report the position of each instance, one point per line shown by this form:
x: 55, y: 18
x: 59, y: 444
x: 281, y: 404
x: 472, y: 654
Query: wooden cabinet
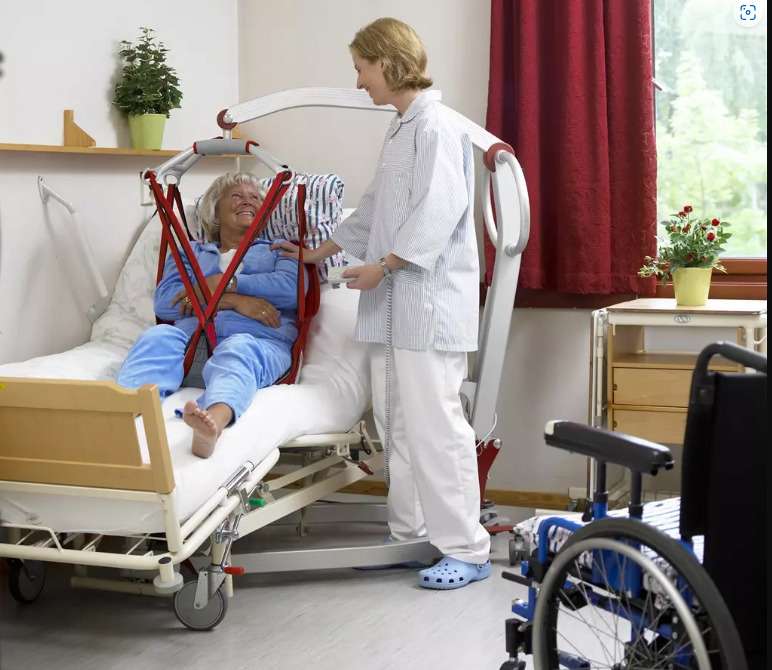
x: 665, y: 427
x: 646, y: 393
x: 643, y: 390
x: 649, y: 386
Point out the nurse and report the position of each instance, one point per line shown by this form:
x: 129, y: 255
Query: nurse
x: 418, y: 307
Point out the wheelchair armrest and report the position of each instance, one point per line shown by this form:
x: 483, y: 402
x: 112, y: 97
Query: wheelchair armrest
x: 603, y: 445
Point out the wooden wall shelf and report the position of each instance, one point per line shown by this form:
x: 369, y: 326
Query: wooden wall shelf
x: 78, y: 141
x: 102, y: 151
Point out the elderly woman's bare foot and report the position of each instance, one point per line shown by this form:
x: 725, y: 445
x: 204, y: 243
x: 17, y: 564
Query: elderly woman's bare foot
x: 205, y: 430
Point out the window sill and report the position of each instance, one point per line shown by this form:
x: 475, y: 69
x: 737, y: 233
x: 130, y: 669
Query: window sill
x: 746, y: 279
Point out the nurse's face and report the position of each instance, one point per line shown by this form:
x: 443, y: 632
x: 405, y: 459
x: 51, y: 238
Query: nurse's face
x: 370, y: 78
x: 237, y: 208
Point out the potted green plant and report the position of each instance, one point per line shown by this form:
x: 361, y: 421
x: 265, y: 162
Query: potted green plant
x: 688, y: 255
x: 147, y: 90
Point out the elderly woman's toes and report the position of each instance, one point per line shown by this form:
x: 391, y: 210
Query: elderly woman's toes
x: 205, y: 432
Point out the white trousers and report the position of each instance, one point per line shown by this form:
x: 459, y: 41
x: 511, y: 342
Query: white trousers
x: 434, y: 490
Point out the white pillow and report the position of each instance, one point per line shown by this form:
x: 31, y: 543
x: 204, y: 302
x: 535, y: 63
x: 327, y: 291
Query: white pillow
x: 131, y: 309
x: 324, y: 212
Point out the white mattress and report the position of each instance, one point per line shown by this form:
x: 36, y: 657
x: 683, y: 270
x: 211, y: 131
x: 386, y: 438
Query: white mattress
x: 331, y: 396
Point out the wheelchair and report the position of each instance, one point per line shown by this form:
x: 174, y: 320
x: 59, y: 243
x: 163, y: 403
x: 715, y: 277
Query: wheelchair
x: 666, y: 584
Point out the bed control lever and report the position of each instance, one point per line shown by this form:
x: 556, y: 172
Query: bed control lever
x: 352, y: 456
x: 360, y: 464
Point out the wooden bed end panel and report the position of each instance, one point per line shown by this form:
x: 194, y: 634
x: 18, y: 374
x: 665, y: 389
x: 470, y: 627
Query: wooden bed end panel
x: 82, y: 433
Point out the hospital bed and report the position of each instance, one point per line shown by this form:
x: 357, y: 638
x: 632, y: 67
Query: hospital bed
x: 94, y: 475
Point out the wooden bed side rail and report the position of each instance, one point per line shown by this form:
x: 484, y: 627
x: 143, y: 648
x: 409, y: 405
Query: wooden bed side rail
x: 82, y: 433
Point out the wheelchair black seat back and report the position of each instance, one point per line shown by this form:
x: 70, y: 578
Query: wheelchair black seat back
x: 725, y: 460
x: 615, y: 592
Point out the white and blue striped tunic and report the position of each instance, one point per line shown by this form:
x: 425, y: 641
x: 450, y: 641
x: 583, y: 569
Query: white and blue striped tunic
x: 419, y: 206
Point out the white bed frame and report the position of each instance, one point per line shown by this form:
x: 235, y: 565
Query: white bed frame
x: 323, y: 464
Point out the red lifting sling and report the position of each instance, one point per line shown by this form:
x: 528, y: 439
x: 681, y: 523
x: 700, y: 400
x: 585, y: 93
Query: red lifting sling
x: 308, y: 302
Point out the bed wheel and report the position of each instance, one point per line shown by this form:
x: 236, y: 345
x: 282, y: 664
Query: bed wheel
x: 204, y: 619
x: 26, y: 579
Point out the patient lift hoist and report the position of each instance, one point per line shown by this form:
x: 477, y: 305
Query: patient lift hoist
x: 328, y: 462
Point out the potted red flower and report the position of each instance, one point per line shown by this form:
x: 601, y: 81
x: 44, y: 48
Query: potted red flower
x: 688, y: 255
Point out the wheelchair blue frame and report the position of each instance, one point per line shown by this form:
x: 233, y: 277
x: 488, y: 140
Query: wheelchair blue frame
x: 631, y: 582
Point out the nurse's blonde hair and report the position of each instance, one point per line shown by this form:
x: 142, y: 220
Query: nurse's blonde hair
x: 398, y: 47
x: 206, y: 209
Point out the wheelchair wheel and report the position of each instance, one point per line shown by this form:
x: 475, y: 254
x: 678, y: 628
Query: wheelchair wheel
x: 676, y: 619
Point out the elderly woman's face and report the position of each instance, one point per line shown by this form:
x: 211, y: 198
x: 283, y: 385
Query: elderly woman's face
x: 237, y: 207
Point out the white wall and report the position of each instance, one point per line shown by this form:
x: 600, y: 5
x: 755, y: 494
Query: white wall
x: 63, y: 55
x: 294, y: 43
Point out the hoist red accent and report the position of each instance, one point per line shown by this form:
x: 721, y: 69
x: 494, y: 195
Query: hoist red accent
x: 176, y: 240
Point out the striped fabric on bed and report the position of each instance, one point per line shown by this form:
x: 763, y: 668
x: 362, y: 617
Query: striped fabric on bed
x: 324, y: 211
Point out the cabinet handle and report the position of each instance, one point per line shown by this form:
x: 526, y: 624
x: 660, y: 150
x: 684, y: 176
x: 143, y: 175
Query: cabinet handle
x: 614, y: 387
x: 614, y: 424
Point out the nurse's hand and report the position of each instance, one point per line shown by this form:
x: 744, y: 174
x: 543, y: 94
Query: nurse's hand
x: 314, y: 256
x: 290, y: 250
x: 366, y: 277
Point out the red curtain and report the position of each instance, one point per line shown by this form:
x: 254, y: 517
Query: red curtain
x: 571, y: 90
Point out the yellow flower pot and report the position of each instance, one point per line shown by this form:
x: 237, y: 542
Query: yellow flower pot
x: 147, y: 130
x: 691, y: 286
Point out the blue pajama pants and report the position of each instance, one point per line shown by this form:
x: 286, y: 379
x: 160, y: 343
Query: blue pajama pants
x: 239, y: 365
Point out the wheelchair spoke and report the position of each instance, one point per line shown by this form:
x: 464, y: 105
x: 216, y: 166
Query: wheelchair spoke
x: 664, y: 611
x: 595, y: 664
x: 583, y: 587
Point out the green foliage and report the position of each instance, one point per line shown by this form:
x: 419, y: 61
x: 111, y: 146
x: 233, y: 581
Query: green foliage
x: 712, y: 118
x: 147, y: 84
x: 692, y: 243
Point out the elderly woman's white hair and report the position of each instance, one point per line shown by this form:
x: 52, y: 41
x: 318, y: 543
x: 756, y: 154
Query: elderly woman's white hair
x: 207, y: 205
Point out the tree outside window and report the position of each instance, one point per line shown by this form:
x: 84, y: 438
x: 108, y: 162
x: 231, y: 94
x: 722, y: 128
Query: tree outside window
x: 712, y: 117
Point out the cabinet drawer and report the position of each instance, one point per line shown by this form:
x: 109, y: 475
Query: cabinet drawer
x: 651, y: 386
x: 665, y: 427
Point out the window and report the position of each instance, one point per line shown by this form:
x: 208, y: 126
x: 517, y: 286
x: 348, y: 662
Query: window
x: 710, y: 64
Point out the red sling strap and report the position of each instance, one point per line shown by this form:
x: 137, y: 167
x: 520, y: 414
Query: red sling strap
x: 172, y: 230
x: 308, y: 302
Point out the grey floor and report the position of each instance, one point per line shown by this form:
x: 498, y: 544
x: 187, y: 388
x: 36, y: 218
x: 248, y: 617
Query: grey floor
x: 325, y: 620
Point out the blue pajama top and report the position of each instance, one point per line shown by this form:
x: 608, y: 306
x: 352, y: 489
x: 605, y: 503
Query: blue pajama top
x: 264, y: 274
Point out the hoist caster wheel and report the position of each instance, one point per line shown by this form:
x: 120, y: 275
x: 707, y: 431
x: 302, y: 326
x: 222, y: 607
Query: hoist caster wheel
x: 516, y: 552
x: 26, y: 579
x: 204, y: 619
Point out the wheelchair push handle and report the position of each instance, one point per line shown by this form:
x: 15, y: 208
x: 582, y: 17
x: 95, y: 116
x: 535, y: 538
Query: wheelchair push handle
x: 732, y: 352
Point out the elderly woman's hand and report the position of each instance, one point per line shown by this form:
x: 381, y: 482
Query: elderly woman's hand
x: 254, y: 308
x: 186, y: 305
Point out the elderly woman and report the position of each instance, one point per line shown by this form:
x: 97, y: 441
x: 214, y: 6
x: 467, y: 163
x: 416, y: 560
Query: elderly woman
x: 255, y: 319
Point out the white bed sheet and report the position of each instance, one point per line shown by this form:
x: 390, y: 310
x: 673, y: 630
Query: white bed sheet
x: 332, y: 394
